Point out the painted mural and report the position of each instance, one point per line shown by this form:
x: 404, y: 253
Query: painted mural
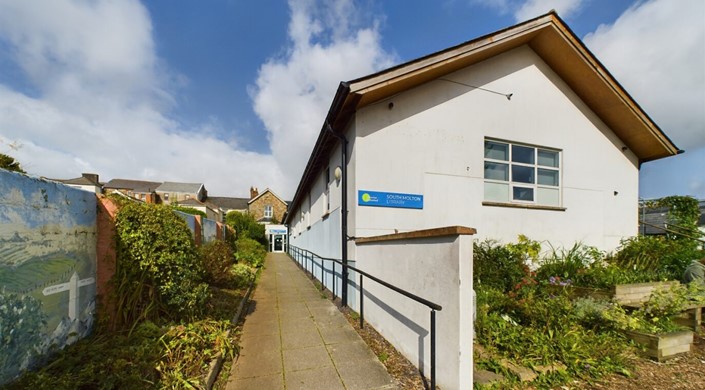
x: 47, y: 269
x: 210, y: 230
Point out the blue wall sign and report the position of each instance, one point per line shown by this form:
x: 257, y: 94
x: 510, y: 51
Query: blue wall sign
x: 389, y: 199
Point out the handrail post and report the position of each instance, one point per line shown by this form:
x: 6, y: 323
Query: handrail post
x: 433, y: 349
x: 322, y: 276
x: 362, y: 305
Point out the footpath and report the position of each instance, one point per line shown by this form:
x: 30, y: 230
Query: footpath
x: 293, y: 338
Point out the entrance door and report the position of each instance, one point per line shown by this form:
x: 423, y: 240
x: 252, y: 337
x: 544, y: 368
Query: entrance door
x: 278, y: 243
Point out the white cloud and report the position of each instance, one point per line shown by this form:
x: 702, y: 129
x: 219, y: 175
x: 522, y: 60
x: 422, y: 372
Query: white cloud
x: 529, y: 9
x: 328, y: 44
x: 533, y: 8
x: 655, y: 49
x: 103, y: 98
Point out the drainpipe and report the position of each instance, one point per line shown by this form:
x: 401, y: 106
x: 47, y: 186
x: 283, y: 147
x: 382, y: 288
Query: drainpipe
x: 344, y: 213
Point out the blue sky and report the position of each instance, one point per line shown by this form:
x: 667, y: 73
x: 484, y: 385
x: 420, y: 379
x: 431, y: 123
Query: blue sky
x: 233, y: 93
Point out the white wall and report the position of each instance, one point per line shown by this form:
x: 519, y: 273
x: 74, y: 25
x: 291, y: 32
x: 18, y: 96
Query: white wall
x: 438, y: 269
x: 432, y: 143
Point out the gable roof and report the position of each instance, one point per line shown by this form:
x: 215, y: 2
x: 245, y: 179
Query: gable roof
x: 134, y: 185
x: 264, y: 192
x: 171, y: 186
x: 228, y: 202
x: 550, y: 38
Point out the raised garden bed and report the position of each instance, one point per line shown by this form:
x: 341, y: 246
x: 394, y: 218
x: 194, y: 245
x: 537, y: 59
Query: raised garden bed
x: 664, y: 346
x: 625, y: 294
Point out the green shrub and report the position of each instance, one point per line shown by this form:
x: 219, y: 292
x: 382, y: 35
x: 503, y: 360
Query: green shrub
x: 245, y: 225
x: 217, y: 258
x: 496, y: 266
x: 668, y: 256
x: 158, y: 272
x: 241, y: 275
x: 541, y: 329
x: 250, y: 252
x: 188, y: 349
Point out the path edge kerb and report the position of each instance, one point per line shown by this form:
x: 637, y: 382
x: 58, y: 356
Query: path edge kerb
x: 217, y: 363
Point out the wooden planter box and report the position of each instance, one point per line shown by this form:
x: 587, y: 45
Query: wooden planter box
x: 664, y: 346
x: 638, y: 293
x: 625, y: 294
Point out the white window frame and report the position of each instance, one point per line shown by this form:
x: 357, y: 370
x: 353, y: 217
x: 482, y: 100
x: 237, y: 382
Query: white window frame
x: 535, y: 186
x: 268, y: 211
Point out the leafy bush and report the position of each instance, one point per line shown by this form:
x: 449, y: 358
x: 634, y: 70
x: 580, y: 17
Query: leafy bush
x: 250, y: 252
x: 541, y: 329
x: 669, y: 256
x: 217, y: 258
x: 189, y: 348
x: 241, y: 275
x: 496, y: 266
x: 245, y: 225
x: 158, y: 274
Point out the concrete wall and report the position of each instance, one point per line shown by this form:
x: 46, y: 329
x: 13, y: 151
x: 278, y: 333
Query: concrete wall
x: 47, y: 268
x: 438, y: 269
x: 432, y: 143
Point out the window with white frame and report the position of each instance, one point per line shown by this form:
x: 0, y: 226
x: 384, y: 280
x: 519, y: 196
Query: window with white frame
x: 519, y: 173
x: 268, y: 211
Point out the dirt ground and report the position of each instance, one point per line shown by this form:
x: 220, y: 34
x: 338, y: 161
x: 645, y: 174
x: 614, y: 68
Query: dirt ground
x: 683, y: 372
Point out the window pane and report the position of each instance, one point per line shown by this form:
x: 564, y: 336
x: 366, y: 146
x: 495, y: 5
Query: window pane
x: 548, y: 177
x: 496, y: 151
x: 496, y: 171
x: 548, y: 158
x: 548, y: 196
x: 523, y: 174
x: 526, y: 194
x: 522, y: 154
x: 497, y: 192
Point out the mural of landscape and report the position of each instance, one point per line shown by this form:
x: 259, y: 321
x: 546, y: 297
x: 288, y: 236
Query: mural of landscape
x: 47, y: 269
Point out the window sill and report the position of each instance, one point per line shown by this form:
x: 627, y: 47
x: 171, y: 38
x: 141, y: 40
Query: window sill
x: 523, y: 206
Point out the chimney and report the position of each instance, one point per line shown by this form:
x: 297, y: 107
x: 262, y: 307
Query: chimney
x: 93, y: 177
x: 253, y: 192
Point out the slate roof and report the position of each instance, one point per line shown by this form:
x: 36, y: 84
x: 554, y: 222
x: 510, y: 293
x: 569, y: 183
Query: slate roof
x: 133, y: 185
x: 226, y: 202
x: 187, y: 188
x: 81, y: 181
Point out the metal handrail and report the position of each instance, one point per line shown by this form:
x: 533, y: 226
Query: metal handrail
x: 306, y: 254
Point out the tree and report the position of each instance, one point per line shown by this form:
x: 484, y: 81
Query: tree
x: 246, y: 226
x: 9, y: 163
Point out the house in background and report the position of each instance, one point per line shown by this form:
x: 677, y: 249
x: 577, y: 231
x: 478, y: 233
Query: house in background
x: 211, y: 211
x: 266, y: 207
x: 227, y: 204
x: 137, y: 189
x: 88, y: 182
x: 173, y: 192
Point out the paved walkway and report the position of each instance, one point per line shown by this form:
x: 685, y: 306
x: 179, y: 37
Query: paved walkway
x: 293, y: 338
